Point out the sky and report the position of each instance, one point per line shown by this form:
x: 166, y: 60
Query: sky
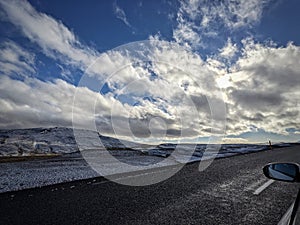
x: 153, y: 71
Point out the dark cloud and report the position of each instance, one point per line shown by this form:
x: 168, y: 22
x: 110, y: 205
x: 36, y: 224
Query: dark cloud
x: 256, y: 100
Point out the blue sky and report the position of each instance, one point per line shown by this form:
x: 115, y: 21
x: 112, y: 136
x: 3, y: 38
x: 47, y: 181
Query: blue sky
x: 246, y: 50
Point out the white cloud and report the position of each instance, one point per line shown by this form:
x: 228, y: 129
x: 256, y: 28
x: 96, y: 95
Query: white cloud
x: 233, y: 13
x: 198, y: 18
x: 14, y: 60
x: 174, y: 88
x: 229, y: 50
x: 120, y: 14
x: 261, y: 88
x: 36, y: 103
x: 234, y: 141
x: 264, y: 88
x: 55, y: 39
x: 262, y: 91
x: 186, y: 34
x: 59, y: 42
x: 134, y: 106
x: 65, y: 73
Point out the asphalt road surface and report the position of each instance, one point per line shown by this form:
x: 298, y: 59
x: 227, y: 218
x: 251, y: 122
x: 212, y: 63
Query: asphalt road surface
x: 231, y: 191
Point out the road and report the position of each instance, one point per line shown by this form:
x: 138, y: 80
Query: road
x: 231, y: 191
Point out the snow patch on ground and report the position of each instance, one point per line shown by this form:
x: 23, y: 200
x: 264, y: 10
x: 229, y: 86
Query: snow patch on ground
x: 71, y: 165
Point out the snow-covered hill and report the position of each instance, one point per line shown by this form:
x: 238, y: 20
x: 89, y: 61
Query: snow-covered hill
x: 60, y: 140
x: 68, y: 167
x: 57, y: 140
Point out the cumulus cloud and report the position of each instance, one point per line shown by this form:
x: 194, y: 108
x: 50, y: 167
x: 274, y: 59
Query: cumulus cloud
x: 198, y: 18
x: 229, y: 50
x: 54, y: 38
x: 236, y: 13
x: 157, y: 89
x: 36, y: 103
x: 33, y: 103
x: 58, y: 41
x: 147, y: 99
x: 186, y: 32
x: 152, y: 86
x: 264, y: 87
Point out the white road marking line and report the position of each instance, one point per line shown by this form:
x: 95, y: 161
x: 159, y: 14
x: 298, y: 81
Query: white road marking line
x: 255, y: 184
x: 132, y: 176
x: 286, y: 217
x: 263, y: 187
x: 101, y: 182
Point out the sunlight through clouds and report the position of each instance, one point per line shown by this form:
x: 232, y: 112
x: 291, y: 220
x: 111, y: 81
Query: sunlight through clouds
x: 172, y: 76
